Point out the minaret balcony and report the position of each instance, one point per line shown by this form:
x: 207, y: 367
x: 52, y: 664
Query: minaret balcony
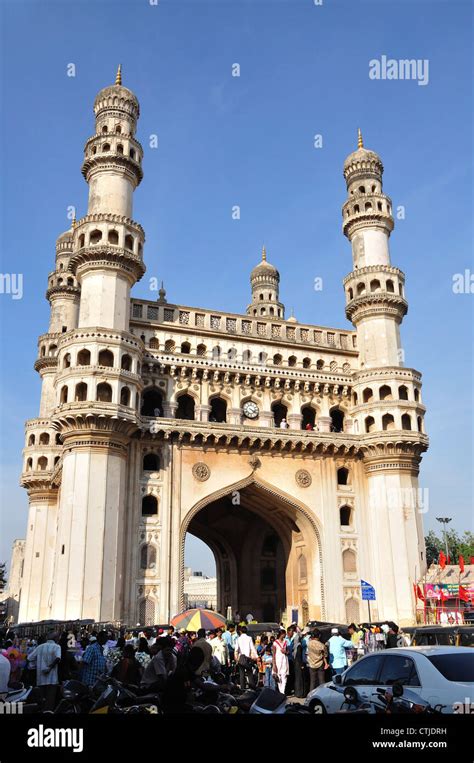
x: 364, y: 210
x: 380, y: 303
x: 104, y: 229
x: 118, y: 151
x: 374, y: 279
x: 110, y: 256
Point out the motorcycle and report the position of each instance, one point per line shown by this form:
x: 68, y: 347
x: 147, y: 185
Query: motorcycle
x: 22, y: 699
x: 404, y: 701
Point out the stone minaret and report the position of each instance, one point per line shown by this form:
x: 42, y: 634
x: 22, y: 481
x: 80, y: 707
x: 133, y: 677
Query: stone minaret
x: 265, y: 281
x: 387, y: 407
x: 94, y: 399
x: 43, y: 447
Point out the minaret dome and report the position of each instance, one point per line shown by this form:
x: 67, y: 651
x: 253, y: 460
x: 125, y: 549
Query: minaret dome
x: 265, y: 281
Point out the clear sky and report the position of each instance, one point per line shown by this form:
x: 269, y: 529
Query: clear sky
x: 248, y: 141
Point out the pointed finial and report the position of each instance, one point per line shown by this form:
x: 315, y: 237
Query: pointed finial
x: 360, y: 142
x: 162, y: 294
x: 73, y: 222
x: 264, y: 254
x: 118, y: 78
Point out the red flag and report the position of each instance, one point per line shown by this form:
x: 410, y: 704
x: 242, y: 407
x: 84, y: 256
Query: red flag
x: 442, y: 560
x: 443, y: 596
x: 463, y: 593
x: 448, y: 559
x: 461, y: 563
x: 419, y: 593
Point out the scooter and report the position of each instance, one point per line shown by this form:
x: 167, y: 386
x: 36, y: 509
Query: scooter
x: 353, y: 702
x: 22, y: 700
x: 403, y: 701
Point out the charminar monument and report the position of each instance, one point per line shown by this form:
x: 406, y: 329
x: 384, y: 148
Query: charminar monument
x: 292, y: 450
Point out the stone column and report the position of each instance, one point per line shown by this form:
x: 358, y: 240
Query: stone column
x: 324, y: 423
x: 89, y: 571
x: 395, y: 552
x: 234, y: 416
x: 169, y: 409
x: 202, y: 412
x: 35, y: 601
x: 294, y: 420
x: 266, y: 419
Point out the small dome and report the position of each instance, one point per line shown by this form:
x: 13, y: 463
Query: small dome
x: 66, y: 236
x: 265, y: 268
x: 292, y: 319
x: 362, y: 161
x: 361, y: 155
x: 117, y: 96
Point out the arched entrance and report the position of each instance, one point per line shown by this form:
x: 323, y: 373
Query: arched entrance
x: 258, y: 537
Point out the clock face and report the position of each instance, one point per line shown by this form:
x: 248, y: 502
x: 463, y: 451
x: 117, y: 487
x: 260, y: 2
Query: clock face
x: 250, y: 409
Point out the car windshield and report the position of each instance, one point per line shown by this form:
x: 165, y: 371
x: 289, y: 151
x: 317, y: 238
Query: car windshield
x: 454, y: 667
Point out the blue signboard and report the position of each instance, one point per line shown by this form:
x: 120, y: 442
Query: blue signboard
x: 368, y: 591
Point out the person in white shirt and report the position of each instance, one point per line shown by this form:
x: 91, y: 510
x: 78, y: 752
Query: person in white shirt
x: 283, y: 424
x: 245, y: 654
x: 47, y: 657
x: 5, y: 669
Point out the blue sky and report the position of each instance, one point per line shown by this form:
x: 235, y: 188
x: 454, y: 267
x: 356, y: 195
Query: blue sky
x: 248, y: 141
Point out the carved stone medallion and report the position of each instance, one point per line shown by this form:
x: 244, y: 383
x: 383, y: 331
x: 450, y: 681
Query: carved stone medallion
x: 201, y: 472
x: 303, y: 478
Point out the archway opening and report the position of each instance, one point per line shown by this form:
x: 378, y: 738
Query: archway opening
x: 259, y: 540
x: 185, y: 409
x: 218, y: 410
x: 279, y: 413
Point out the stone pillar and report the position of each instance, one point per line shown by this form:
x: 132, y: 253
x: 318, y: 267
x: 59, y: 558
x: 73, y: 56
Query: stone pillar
x: 266, y: 419
x: 234, y: 416
x: 294, y: 420
x: 35, y: 601
x: 202, y: 412
x: 90, y: 542
x: 396, y: 557
x: 324, y: 423
x: 169, y: 409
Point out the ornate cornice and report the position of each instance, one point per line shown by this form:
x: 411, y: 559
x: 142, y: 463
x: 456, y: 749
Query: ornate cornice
x: 379, y: 303
x: 99, y: 256
x: 108, y: 217
x: 370, y: 269
x: 207, y: 434
x: 386, y: 373
x: 37, y: 482
x: 46, y: 363
x: 94, y: 417
x: 112, y: 161
x: 63, y: 291
x: 100, y: 334
x: 251, y: 377
x: 367, y: 219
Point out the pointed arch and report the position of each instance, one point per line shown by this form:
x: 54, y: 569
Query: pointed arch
x: 311, y: 523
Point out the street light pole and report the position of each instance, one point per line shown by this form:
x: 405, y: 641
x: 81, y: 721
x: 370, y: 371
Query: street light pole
x: 444, y: 521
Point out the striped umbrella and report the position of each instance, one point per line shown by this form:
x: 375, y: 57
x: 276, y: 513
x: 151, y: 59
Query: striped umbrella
x: 193, y: 619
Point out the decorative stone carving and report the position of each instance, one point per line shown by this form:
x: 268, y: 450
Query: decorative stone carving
x: 201, y: 472
x: 254, y: 461
x: 303, y: 478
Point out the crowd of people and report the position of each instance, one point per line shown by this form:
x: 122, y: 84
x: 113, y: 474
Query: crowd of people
x: 292, y: 660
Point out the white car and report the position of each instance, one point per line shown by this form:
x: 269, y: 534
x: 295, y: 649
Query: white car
x: 440, y: 675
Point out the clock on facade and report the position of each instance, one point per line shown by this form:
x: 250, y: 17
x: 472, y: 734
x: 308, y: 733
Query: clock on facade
x: 250, y: 409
